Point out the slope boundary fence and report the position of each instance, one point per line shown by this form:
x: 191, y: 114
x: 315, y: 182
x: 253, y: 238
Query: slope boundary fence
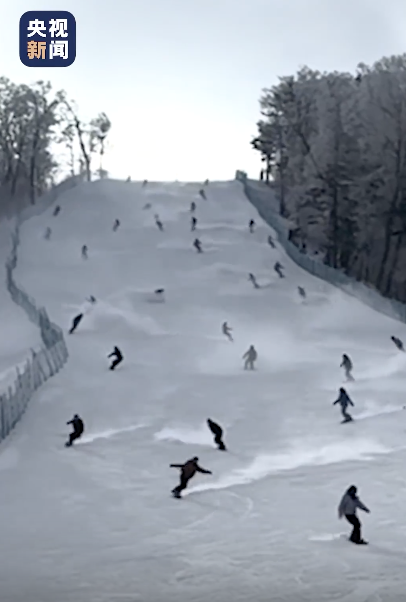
x: 50, y: 357
x: 263, y: 199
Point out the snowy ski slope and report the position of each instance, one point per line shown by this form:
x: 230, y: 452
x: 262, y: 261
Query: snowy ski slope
x: 96, y: 523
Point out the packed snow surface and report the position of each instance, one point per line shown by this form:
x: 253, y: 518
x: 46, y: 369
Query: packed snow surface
x: 96, y: 522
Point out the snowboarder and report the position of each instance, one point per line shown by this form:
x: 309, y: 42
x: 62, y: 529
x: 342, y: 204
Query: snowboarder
x: 251, y: 226
x: 128, y: 179
x: 78, y: 428
x: 271, y: 242
x: 348, y: 508
x: 145, y: 182
x: 84, y: 252
x: 252, y: 279
x: 198, y: 245
x: 188, y: 470
x: 278, y: 269
x: 193, y: 224
x: 116, y: 225
x: 118, y: 358
x: 218, y: 434
x: 344, y: 401
x: 203, y: 194
x: 48, y: 233
x: 301, y: 292
x: 398, y: 343
x: 206, y: 183
x: 346, y: 363
x: 192, y: 207
x: 250, y: 357
x: 56, y: 210
x: 159, y: 223
x: 226, y: 330
x: 92, y: 299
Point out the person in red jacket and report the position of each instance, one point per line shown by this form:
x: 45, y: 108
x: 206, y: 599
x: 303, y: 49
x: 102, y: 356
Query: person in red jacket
x: 187, y: 471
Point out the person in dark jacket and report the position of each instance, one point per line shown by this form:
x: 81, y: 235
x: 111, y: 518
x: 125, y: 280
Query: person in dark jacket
x: 193, y: 224
x: 250, y: 358
x: 398, y: 343
x: 198, y: 245
x: 159, y: 223
x: 187, y: 471
x: 203, y: 194
x: 192, y: 207
x: 251, y: 226
x: 218, y: 434
x: 78, y: 428
x: 226, y: 330
x: 75, y: 323
x: 118, y: 358
x: 56, y: 211
x: 271, y: 242
x: 278, y: 267
x: 48, y: 234
x: 252, y: 279
x: 84, y: 252
x: 344, y: 401
x: 348, y: 508
x: 116, y: 225
x: 346, y: 363
x: 301, y: 292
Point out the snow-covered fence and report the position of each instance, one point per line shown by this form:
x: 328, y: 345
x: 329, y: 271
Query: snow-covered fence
x: 266, y: 204
x: 50, y: 358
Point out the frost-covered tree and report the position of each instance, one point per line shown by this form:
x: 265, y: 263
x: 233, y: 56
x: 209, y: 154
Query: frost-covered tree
x: 337, y: 147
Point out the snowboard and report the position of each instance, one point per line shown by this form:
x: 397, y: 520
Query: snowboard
x: 347, y: 420
x: 176, y: 495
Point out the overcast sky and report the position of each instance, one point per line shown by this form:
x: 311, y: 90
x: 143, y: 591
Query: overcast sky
x: 180, y: 79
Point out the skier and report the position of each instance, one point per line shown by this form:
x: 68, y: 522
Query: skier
x: 75, y: 323
x: 398, y: 343
x: 198, y: 245
x: 226, y: 330
x: 118, y: 358
x: 116, y: 225
x: 347, y: 365
x: 56, y: 211
x: 128, y: 179
x: 251, y: 226
x: 250, y: 357
x: 193, y: 224
x: 192, y: 207
x: 271, y: 242
x: 188, y: 470
x: 203, y: 194
x: 344, y: 401
x: 206, y: 183
x: 78, y: 428
x: 159, y: 223
x: 84, y: 252
x: 48, y: 233
x: 145, y: 182
x: 278, y: 269
x: 302, y: 292
x: 218, y: 434
x: 252, y: 279
x: 78, y: 318
x: 348, y: 508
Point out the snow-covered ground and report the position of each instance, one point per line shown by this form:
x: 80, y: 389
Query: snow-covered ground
x: 96, y: 523
x: 18, y: 334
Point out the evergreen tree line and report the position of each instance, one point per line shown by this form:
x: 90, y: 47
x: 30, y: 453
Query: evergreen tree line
x: 40, y: 131
x: 334, y: 146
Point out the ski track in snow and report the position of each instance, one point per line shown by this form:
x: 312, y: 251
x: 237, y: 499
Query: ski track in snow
x: 108, y: 527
